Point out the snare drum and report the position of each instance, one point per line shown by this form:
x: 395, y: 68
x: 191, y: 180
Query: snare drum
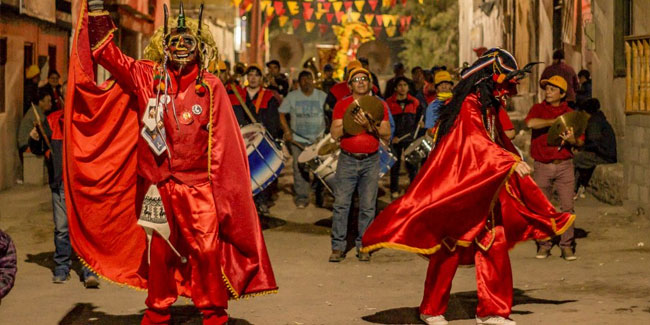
x: 265, y: 159
x: 418, y: 150
x: 386, y: 160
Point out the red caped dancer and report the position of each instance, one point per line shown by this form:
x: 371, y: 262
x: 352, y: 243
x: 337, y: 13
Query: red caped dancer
x: 158, y: 145
x: 467, y: 205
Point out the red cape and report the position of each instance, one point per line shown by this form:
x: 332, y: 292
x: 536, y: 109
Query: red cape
x: 104, y: 192
x: 450, y: 200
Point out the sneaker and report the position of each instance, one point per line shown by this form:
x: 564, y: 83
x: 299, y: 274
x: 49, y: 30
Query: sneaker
x: 61, y: 278
x: 543, y: 252
x: 301, y: 205
x: 394, y: 195
x: 567, y: 254
x: 494, y: 320
x: 91, y: 282
x: 580, y: 193
x: 433, y: 320
x: 364, y: 257
x: 336, y: 256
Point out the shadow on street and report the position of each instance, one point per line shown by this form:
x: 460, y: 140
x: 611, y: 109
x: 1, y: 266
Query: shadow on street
x: 84, y: 313
x: 462, y: 305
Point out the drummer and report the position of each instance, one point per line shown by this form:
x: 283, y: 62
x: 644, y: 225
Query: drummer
x: 256, y: 103
x: 406, y: 111
x: 554, y: 165
x: 358, y: 166
x: 304, y: 107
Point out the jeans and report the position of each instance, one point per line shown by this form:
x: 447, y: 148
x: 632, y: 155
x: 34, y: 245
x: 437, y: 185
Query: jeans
x: 300, y: 185
x: 397, y: 149
x: 62, y: 246
x: 352, y: 174
x: 561, y: 176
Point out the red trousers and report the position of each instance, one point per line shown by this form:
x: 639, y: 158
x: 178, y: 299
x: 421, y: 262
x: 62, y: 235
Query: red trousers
x: 493, y: 278
x: 194, y: 229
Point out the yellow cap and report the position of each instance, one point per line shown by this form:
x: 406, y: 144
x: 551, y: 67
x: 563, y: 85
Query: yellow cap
x: 354, y: 65
x: 442, y: 76
x: 556, y: 81
x: 32, y: 71
x: 356, y: 71
x: 221, y: 66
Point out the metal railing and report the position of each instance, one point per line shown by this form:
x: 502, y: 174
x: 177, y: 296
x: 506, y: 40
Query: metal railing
x: 637, y: 78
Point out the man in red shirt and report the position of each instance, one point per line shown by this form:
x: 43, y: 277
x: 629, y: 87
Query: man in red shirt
x: 553, y: 165
x: 358, y: 166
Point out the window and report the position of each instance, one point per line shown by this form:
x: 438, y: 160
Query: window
x: 623, y: 18
x: 29, y: 54
x: 51, y: 53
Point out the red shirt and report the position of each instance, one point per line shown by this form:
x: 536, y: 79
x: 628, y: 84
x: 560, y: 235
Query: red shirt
x: 504, y: 119
x: 539, y: 148
x: 360, y: 143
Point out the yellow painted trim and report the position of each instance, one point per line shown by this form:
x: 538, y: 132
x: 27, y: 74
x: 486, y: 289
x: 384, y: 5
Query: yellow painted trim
x: 406, y: 248
x: 103, y: 40
x: 236, y: 296
x: 98, y: 13
x: 210, y: 129
x: 107, y: 279
x: 566, y: 226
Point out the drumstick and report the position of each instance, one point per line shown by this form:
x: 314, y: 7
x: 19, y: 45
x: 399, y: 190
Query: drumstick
x: 302, y: 147
x: 418, y: 128
x: 39, y: 124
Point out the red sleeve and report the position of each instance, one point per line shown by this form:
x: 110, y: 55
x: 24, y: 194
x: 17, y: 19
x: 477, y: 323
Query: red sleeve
x: 385, y: 111
x: 504, y: 119
x: 339, y: 110
x: 533, y: 113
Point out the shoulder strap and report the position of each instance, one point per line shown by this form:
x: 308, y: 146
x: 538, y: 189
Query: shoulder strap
x: 258, y: 102
x: 242, y: 102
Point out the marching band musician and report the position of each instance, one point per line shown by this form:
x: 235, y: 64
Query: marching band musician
x: 189, y: 149
x: 358, y: 165
x: 277, y: 81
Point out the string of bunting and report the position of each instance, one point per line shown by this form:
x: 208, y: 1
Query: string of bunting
x: 311, y: 12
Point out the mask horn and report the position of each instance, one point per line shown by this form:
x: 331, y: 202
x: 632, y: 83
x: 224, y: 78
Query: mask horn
x: 522, y: 72
x: 198, y: 33
x: 181, y: 18
x: 166, y: 20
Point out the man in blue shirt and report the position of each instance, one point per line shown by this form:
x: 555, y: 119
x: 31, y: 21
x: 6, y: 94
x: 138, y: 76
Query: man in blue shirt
x: 443, y: 83
x: 305, y: 109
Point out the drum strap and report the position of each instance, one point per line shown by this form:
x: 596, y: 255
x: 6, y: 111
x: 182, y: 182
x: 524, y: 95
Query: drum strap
x: 243, y: 103
x: 258, y: 102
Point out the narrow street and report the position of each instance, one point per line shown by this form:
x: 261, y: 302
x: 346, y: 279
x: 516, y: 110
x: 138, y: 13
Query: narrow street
x: 608, y: 284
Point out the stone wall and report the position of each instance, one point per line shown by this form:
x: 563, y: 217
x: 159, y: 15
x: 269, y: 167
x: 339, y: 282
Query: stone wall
x: 636, y: 160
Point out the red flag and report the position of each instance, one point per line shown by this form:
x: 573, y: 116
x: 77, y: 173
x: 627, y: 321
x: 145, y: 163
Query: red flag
x: 308, y: 12
x: 379, y: 19
x: 339, y: 16
x: 402, y: 21
x: 403, y: 3
x: 377, y: 30
x: 408, y: 20
x: 296, y: 23
x: 347, y: 5
x: 279, y: 7
x: 306, y: 5
x: 329, y: 17
x: 323, y: 28
x: 373, y: 4
x: 327, y: 6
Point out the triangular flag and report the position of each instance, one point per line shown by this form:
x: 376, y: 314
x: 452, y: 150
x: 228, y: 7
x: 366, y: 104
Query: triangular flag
x: 306, y: 5
x: 347, y: 5
x: 337, y: 6
x: 308, y: 12
x: 236, y: 3
x: 421, y: 2
x: 319, y: 14
x: 377, y: 30
x: 329, y: 17
x: 373, y: 4
x: 354, y: 16
x: 379, y: 19
x: 369, y: 18
x: 293, y: 7
x: 309, y: 25
x: 339, y: 15
x: 393, y: 3
x: 403, y: 3
x: 265, y: 4
x: 327, y: 6
x: 296, y: 23
x: 283, y: 20
x: 390, y: 31
x: 386, y: 20
x: 408, y: 20
x: 269, y: 11
x: 279, y: 7
x: 344, y: 18
x: 359, y: 5
x: 323, y: 28
x: 248, y: 7
x: 402, y: 21
x: 386, y: 3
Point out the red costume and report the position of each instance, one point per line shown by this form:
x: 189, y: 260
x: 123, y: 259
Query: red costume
x: 467, y: 206
x: 109, y: 166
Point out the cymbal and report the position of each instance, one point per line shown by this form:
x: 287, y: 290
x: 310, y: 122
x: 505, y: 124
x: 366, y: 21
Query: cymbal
x: 327, y: 148
x: 372, y: 105
x: 577, y: 120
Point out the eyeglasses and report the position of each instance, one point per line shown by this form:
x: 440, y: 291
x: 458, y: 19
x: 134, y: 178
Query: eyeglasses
x: 360, y: 79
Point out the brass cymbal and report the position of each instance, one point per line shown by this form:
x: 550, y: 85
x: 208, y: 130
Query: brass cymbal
x: 372, y: 105
x: 327, y: 148
x: 577, y: 120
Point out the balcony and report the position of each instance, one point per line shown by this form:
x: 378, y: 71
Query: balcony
x: 637, y: 79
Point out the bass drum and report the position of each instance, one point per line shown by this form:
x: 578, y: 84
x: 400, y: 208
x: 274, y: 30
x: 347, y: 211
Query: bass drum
x: 265, y: 159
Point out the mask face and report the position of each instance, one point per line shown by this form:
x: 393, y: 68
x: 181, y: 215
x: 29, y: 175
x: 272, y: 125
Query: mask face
x: 183, y: 48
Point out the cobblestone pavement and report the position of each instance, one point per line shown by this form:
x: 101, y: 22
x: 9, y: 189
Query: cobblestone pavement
x: 608, y: 284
